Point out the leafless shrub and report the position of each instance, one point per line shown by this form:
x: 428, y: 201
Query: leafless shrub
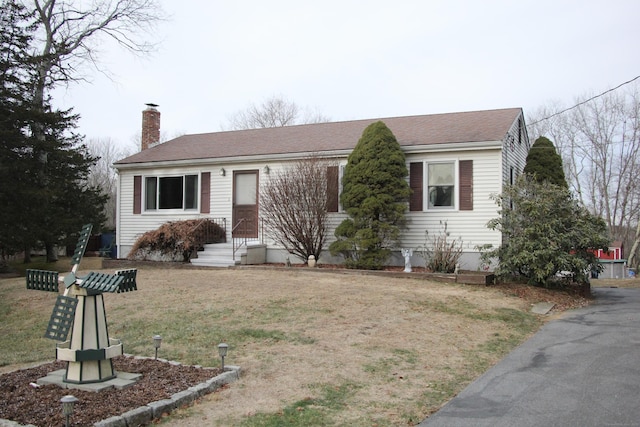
x: 441, y: 253
x: 294, y: 207
x: 174, y: 241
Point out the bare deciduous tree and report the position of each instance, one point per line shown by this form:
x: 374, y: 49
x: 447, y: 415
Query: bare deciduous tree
x: 633, y: 254
x: 599, y: 141
x: 294, y: 206
x: 69, y: 33
x: 136, y: 139
x: 273, y: 112
x: 103, y: 175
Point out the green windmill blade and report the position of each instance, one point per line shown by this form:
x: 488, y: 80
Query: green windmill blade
x: 81, y: 246
x: 101, y: 282
x: 42, y: 280
x: 61, y: 319
x: 129, y: 283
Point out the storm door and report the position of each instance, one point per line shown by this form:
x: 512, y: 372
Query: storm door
x: 245, y: 204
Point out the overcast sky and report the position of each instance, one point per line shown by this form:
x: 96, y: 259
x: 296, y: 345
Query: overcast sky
x: 357, y: 59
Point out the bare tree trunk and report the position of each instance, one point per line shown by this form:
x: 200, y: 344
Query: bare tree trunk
x: 633, y: 263
x: 52, y: 253
x: 27, y: 256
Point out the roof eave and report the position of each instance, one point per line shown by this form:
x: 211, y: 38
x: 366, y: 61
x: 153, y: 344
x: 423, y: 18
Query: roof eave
x: 408, y: 149
x: 230, y: 160
x: 452, y: 146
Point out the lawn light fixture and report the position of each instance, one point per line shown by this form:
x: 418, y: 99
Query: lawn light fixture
x: 222, y: 351
x: 222, y: 172
x: 157, y: 340
x: 67, y: 407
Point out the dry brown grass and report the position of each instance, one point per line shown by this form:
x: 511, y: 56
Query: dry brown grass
x: 616, y: 283
x: 400, y: 343
x: 402, y: 347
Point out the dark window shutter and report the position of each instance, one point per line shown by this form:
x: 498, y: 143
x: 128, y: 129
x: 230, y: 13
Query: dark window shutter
x: 205, y: 192
x: 466, y: 185
x: 137, y: 194
x: 333, y: 182
x: 415, y: 183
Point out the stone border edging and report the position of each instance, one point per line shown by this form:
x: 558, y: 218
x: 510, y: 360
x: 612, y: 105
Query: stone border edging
x: 153, y: 410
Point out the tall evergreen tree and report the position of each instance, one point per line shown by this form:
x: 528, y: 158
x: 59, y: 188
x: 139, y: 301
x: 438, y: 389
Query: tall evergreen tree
x: 15, y: 37
x: 43, y: 166
x: 545, y: 164
x: 61, y: 199
x: 375, y: 194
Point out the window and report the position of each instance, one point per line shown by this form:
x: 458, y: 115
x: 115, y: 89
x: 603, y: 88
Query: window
x: 441, y: 185
x: 441, y: 182
x: 191, y: 192
x: 171, y: 192
x: 151, y: 191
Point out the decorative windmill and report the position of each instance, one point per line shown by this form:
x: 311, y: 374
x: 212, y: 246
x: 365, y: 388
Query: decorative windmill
x: 81, y: 310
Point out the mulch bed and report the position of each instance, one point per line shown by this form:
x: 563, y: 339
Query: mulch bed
x: 40, y: 406
x: 564, y: 299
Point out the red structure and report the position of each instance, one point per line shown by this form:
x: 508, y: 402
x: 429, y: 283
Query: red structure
x: 615, y: 252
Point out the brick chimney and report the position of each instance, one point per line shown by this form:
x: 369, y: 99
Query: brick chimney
x: 150, y: 127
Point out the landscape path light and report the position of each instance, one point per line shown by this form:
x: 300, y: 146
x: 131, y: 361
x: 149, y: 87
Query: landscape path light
x: 222, y: 351
x: 67, y: 407
x: 157, y: 340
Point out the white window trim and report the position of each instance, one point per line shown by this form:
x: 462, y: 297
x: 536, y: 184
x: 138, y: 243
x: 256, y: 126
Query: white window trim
x: 456, y: 186
x: 158, y: 211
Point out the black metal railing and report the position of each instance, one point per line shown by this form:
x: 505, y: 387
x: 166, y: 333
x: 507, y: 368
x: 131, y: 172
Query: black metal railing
x: 244, y: 230
x: 209, y: 230
x: 241, y: 228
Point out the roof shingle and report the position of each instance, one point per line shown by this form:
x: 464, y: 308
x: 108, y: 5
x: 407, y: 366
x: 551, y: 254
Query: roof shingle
x: 474, y: 126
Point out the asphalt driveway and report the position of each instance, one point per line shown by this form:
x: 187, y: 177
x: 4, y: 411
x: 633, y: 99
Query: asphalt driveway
x: 580, y: 370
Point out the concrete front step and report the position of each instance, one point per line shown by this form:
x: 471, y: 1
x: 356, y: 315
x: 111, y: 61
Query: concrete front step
x: 214, y: 262
x: 216, y: 255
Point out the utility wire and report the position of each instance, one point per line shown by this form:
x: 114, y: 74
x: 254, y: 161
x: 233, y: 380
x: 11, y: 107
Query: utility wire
x: 585, y: 101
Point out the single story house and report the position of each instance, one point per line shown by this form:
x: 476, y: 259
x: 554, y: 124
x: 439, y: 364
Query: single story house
x: 219, y: 175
